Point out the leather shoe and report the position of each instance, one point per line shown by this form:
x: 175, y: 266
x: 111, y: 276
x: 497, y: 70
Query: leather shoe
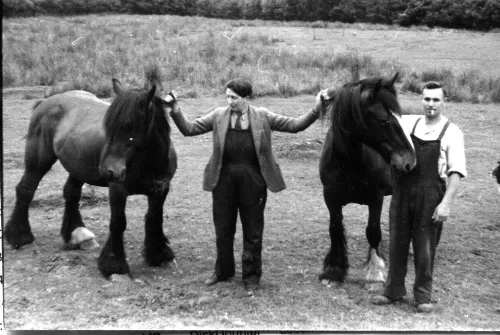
x: 250, y: 289
x: 212, y: 280
x: 383, y: 300
x: 425, y: 308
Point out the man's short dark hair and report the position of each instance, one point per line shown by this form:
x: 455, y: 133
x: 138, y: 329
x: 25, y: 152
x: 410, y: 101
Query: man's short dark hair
x: 432, y: 85
x: 241, y: 87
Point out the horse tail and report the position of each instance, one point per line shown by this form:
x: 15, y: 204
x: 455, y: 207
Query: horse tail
x: 35, y: 105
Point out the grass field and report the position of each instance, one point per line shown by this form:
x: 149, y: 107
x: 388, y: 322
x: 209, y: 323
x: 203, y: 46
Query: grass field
x: 198, y: 55
x: 46, y: 287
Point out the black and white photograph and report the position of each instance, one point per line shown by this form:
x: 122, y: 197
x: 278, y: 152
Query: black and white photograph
x: 250, y: 166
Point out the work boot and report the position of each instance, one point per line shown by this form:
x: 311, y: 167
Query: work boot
x: 383, y: 300
x: 425, y: 308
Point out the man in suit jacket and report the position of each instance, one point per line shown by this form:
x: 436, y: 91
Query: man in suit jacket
x: 240, y: 170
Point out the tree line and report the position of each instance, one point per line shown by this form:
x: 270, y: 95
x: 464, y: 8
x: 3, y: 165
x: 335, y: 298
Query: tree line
x: 464, y: 14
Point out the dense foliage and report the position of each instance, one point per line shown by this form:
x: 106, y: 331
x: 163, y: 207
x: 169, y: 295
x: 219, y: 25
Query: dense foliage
x: 466, y: 14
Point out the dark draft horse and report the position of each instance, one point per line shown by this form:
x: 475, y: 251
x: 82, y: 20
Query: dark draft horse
x: 365, y: 147
x: 124, y: 146
x: 496, y: 174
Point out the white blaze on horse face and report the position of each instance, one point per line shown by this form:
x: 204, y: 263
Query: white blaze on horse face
x: 403, y: 126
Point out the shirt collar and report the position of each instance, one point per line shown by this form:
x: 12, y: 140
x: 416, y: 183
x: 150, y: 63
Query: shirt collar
x: 243, y: 112
x: 435, y: 127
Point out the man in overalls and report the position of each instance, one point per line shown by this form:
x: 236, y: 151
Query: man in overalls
x: 422, y: 200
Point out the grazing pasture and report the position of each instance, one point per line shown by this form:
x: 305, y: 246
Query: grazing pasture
x: 284, y: 59
x: 47, y: 287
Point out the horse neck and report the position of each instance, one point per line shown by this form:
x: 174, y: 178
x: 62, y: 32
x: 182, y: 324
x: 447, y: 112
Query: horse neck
x: 349, y: 146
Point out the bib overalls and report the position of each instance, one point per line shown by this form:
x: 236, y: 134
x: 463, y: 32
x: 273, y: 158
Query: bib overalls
x: 414, y: 200
x: 242, y: 188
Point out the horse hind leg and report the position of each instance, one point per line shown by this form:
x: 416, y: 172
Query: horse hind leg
x: 335, y: 264
x: 376, y: 264
x: 157, y: 249
x: 73, y: 230
x: 39, y: 158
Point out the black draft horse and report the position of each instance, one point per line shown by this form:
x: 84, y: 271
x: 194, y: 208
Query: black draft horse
x: 365, y: 147
x: 124, y: 146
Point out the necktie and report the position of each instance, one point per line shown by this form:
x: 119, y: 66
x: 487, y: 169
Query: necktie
x: 237, y: 123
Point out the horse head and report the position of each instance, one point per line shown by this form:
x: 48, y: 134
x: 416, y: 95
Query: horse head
x: 367, y: 112
x: 134, y: 125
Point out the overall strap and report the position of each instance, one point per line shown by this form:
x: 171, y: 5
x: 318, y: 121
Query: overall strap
x: 415, y: 126
x: 444, y: 130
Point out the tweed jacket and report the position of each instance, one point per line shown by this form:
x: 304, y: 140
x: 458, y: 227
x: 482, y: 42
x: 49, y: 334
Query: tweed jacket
x: 261, y: 122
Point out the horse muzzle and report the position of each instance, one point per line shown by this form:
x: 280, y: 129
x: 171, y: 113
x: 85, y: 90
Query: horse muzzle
x: 402, y: 164
x: 113, y: 173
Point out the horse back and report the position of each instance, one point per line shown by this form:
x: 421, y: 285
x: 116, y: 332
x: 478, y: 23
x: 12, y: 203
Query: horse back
x: 70, y: 124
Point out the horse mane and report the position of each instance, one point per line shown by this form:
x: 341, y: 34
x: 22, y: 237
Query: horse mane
x: 345, y: 111
x: 122, y: 115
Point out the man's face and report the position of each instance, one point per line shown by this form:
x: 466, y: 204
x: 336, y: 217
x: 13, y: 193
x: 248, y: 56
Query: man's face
x: 432, y: 102
x: 236, y: 102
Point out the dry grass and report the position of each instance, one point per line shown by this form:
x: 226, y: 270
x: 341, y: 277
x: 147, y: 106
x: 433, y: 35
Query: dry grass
x: 198, y: 55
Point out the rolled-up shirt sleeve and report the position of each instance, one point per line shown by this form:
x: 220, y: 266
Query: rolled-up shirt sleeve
x: 455, y: 152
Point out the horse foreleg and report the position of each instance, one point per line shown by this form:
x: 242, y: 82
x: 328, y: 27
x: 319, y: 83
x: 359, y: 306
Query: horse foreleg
x: 73, y: 230
x: 157, y: 249
x: 335, y: 264
x: 376, y: 264
x: 112, y: 258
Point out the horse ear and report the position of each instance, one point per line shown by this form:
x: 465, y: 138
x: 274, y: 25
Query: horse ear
x: 393, y: 80
x: 388, y: 83
x: 369, y: 94
x: 117, y: 86
x: 151, y: 93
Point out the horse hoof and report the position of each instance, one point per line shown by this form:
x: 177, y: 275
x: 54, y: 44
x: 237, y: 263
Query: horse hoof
x: 333, y: 274
x: 114, y: 269
x: 155, y: 258
x: 17, y: 241
x: 82, y: 238
x: 374, y: 287
x: 109, y: 265
x: 89, y: 244
x: 120, y: 278
x: 375, y: 277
